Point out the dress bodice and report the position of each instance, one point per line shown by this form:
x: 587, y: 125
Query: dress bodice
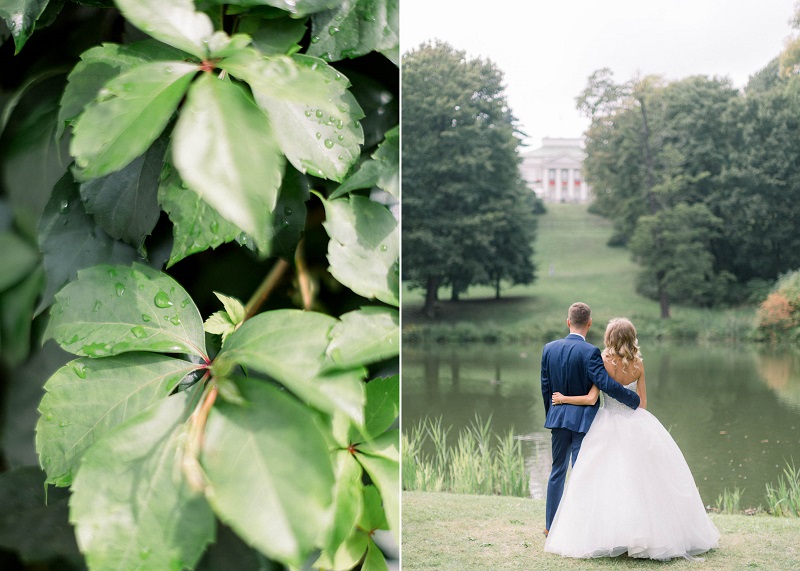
x: 613, y: 405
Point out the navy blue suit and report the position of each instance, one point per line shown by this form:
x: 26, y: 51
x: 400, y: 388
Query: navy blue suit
x: 571, y: 366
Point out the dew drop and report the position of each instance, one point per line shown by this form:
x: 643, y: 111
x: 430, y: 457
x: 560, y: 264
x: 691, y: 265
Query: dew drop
x: 333, y: 30
x: 80, y: 370
x: 63, y: 206
x: 175, y: 320
x: 120, y: 289
x: 328, y: 144
x: 308, y: 112
x: 48, y: 416
x: 139, y: 332
x: 162, y: 300
x: 63, y: 424
x: 384, y: 247
x: 315, y: 39
x: 145, y: 317
x: 186, y: 302
x: 97, y: 349
x: 340, y: 137
x: 319, y: 113
x: 214, y: 227
x: 287, y: 211
x: 319, y: 135
x: 112, y: 273
x: 97, y: 305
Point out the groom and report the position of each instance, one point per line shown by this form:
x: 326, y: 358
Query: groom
x: 571, y: 366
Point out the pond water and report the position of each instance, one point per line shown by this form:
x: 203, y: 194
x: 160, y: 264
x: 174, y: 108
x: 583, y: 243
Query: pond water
x: 733, y: 410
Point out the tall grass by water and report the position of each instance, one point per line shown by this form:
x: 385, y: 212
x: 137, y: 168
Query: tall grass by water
x: 783, y: 497
x: 479, y: 462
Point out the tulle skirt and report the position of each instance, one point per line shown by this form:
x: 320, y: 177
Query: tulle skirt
x: 630, y: 491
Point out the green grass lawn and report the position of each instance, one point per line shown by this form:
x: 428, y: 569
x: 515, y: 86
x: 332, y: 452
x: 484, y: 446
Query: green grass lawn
x: 573, y: 264
x: 460, y: 532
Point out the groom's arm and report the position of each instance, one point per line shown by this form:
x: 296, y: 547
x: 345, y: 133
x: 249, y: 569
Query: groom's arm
x: 600, y: 378
x: 547, y: 390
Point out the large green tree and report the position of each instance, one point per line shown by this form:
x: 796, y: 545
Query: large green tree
x: 199, y: 332
x: 467, y: 218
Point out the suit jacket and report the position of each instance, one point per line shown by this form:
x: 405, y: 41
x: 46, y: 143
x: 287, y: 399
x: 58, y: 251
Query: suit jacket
x: 571, y: 366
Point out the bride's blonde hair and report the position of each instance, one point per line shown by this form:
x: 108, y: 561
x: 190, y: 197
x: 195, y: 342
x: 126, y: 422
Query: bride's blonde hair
x: 621, y: 343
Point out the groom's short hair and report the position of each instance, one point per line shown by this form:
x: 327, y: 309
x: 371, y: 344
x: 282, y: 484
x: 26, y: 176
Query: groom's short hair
x: 579, y: 314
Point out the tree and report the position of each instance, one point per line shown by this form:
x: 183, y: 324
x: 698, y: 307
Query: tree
x: 461, y: 224
x: 673, y: 248
x: 166, y: 153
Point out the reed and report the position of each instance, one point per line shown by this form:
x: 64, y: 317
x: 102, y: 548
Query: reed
x: 783, y: 498
x: 479, y: 462
x: 728, y: 502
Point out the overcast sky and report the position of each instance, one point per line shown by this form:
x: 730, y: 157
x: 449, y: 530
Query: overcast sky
x: 548, y: 48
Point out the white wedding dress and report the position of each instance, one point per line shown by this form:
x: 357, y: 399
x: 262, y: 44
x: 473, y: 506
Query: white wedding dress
x: 630, y: 491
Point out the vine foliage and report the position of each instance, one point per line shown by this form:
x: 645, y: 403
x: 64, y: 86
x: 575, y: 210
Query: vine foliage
x: 210, y: 131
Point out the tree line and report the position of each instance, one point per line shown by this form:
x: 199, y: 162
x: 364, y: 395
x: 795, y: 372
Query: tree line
x: 468, y: 217
x: 701, y: 180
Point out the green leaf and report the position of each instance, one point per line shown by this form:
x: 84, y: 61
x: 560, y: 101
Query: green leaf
x: 99, y: 65
x: 20, y: 17
x: 196, y: 225
x: 129, y: 113
x: 30, y: 162
x: 174, y: 22
x: 233, y: 307
x: 70, y: 240
x: 115, y: 309
x: 19, y: 258
x: 269, y: 472
x: 355, y: 28
x: 365, y: 336
x: 277, y: 36
x: 364, y: 247
x: 349, y: 553
x: 125, y: 203
x: 372, y: 516
x: 289, y: 345
x: 130, y: 505
x: 224, y: 150
x: 32, y: 524
x: 383, y: 404
x: 219, y: 323
x: 16, y: 308
x: 296, y: 7
x: 289, y: 221
x: 381, y: 460
x: 87, y: 398
x: 313, y: 115
x: 382, y: 170
x: 347, y: 499
x: 375, y: 560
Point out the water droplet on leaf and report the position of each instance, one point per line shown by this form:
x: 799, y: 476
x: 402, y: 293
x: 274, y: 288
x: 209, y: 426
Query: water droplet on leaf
x: 319, y: 113
x: 214, y: 227
x: 120, y: 289
x: 175, y: 320
x: 97, y: 305
x: 328, y: 144
x: 162, y: 300
x: 48, y: 416
x: 63, y: 206
x: 287, y: 211
x: 384, y: 247
x: 80, y: 370
x: 145, y: 317
x: 139, y: 332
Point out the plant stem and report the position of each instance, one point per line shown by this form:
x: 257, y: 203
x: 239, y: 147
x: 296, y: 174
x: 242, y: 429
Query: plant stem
x: 197, y: 427
x: 303, y: 277
x: 265, y: 289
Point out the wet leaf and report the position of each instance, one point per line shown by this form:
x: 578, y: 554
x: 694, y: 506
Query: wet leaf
x: 382, y: 170
x: 365, y: 336
x: 20, y: 17
x: 70, y: 240
x: 289, y: 345
x: 313, y: 115
x: 130, y: 505
x: 273, y: 449
x: 87, y: 398
x: 224, y: 149
x: 355, y: 28
x: 364, y: 247
x: 128, y: 115
x: 383, y: 404
x: 116, y: 309
x: 174, y: 22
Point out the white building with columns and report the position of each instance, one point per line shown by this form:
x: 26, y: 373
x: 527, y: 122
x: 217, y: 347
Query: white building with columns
x: 553, y: 171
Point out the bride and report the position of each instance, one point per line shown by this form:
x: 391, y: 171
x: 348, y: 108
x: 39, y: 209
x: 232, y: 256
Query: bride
x: 631, y: 489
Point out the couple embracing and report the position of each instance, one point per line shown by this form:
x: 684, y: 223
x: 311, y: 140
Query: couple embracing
x: 631, y: 491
